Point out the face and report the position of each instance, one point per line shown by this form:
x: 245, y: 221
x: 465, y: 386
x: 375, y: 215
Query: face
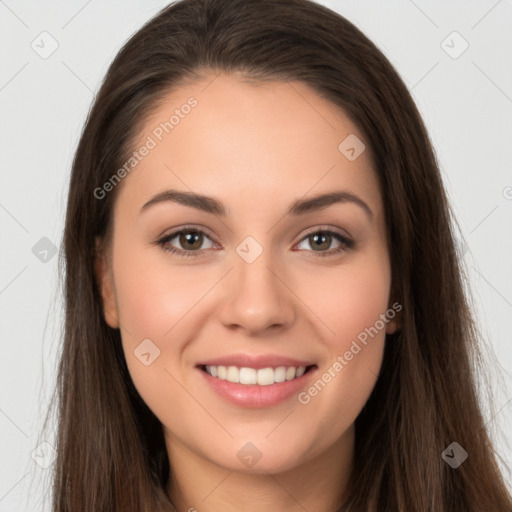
x: 253, y: 280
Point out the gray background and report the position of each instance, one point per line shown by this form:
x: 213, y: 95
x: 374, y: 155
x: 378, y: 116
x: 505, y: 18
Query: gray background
x: 465, y: 99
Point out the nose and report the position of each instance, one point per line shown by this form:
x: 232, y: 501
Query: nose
x: 256, y: 297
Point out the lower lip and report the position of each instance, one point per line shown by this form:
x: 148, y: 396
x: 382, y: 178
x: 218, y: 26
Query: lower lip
x: 253, y: 396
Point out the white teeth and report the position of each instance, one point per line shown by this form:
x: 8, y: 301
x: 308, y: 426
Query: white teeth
x: 290, y: 373
x: 262, y: 376
x: 248, y: 376
x: 265, y: 376
x: 221, y: 372
x: 280, y: 374
x: 233, y: 374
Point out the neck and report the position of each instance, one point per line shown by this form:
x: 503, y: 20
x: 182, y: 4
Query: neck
x: 318, y: 484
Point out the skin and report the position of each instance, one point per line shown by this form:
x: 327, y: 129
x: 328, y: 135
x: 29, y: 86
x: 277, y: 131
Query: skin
x: 257, y: 148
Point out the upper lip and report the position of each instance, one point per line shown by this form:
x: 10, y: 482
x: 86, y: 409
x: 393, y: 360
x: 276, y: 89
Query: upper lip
x: 257, y: 362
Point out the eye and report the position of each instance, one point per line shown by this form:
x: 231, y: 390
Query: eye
x: 322, y: 239
x: 190, y: 239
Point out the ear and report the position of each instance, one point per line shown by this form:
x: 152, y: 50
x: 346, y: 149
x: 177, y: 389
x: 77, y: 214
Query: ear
x: 392, y: 326
x: 105, y: 282
x: 395, y: 323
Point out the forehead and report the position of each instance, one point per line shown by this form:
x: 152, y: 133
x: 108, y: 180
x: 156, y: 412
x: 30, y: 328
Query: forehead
x: 224, y: 137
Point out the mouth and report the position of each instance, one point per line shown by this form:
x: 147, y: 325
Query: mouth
x: 256, y: 382
x: 248, y: 376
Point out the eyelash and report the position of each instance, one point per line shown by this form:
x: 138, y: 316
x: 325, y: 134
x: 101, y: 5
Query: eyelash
x: 345, y: 242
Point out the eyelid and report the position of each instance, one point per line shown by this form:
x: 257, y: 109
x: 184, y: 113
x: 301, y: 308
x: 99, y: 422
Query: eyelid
x: 186, y: 227
x: 324, y: 228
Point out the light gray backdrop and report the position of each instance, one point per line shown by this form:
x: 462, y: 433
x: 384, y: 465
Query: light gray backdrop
x: 455, y: 57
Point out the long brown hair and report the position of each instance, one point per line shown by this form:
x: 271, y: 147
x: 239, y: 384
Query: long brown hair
x: 111, y: 454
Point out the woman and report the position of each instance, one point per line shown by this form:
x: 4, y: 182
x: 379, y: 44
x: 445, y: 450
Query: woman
x: 264, y: 307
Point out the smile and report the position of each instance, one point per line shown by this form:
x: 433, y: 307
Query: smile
x: 249, y: 387
x: 251, y: 376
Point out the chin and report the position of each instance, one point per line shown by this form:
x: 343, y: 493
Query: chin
x: 260, y: 456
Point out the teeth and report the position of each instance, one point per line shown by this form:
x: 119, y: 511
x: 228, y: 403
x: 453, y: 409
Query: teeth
x: 233, y: 374
x: 221, y: 372
x: 265, y: 377
x: 247, y: 375
x: 280, y: 374
x: 290, y: 373
x: 262, y: 376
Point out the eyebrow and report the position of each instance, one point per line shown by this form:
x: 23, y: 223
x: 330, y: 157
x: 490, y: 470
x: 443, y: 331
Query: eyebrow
x: 298, y: 207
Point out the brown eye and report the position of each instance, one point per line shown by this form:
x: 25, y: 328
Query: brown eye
x: 185, y: 242
x: 191, y: 240
x: 320, y: 242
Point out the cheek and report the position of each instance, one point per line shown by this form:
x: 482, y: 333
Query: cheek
x: 348, y: 300
x: 156, y: 302
x: 159, y: 307
x: 351, y: 303
x: 155, y: 298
